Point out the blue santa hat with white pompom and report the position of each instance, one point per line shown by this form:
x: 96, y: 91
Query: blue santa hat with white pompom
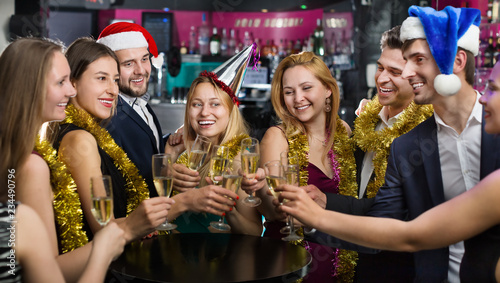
x: 444, y: 31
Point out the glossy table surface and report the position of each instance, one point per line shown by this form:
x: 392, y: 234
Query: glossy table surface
x: 211, y: 258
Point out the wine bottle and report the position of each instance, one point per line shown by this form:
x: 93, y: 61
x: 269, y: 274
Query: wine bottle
x: 319, y: 35
x: 192, y: 40
x: 488, y: 53
x: 215, y: 41
x: 231, y: 45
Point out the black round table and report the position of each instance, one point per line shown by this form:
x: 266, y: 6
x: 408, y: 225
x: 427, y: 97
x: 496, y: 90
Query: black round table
x: 211, y: 258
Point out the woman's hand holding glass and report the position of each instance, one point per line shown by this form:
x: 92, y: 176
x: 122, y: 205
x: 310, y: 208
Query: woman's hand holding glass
x: 101, y: 194
x: 231, y: 180
x: 250, y: 155
x: 163, y: 179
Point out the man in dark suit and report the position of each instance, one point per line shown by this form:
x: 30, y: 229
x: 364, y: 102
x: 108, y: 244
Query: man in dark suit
x: 388, y: 116
x: 135, y: 127
x: 448, y: 153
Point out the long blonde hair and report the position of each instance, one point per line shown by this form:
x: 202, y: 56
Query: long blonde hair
x: 236, y: 125
x: 24, y: 67
x: 317, y: 67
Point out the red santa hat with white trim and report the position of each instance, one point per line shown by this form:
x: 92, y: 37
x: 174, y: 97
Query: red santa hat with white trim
x: 124, y: 35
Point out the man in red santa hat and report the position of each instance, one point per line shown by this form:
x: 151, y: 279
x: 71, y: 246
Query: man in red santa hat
x: 135, y: 126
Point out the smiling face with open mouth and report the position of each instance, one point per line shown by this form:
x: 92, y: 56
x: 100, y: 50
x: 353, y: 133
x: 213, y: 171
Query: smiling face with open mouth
x: 420, y: 70
x: 97, y: 88
x: 393, y: 91
x: 207, y: 114
x: 304, y: 94
x: 59, y: 89
x: 135, y: 69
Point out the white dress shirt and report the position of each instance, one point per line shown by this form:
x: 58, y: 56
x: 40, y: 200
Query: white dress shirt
x: 460, y: 157
x: 139, y: 105
x: 367, y: 167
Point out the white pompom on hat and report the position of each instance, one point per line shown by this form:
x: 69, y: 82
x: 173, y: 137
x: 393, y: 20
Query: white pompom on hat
x: 445, y: 31
x: 124, y: 35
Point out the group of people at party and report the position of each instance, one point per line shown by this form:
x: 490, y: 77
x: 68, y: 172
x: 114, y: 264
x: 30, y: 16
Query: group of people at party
x: 388, y: 201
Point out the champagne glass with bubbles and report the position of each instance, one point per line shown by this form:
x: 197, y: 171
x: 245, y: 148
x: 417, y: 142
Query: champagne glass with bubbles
x: 218, y: 163
x: 231, y: 180
x: 291, y: 176
x: 250, y: 155
x: 199, y: 150
x: 101, y: 195
x: 163, y: 180
x: 274, y: 176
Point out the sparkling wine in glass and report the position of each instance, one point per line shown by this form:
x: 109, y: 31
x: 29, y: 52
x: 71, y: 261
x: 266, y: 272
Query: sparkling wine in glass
x: 198, y: 152
x: 274, y: 176
x: 101, y: 195
x: 218, y: 163
x: 285, y: 161
x: 291, y: 176
x: 163, y: 180
x: 250, y: 155
x: 231, y: 180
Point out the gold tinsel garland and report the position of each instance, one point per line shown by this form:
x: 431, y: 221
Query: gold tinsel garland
x: 343, y: 148
x: 66, y: 203
x: 136, y: 188
x: 368, y: 139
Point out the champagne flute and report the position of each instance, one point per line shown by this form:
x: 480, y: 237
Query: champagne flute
x: 250, y: 155
x: 291, y: 176
x: 231, y: 180
x: 101, y: 194
x: 199, y: 151
x: 218, y: 162
x: 285, y: 160
x: 163, y: 180
x: 274, y: 176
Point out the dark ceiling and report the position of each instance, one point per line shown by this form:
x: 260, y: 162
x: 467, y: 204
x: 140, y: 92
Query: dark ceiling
x: 230, y: 5
x: 215, y: 5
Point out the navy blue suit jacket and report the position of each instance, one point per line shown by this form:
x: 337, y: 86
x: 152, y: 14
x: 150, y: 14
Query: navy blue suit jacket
x: 132, y: 134
x: 413, y: 184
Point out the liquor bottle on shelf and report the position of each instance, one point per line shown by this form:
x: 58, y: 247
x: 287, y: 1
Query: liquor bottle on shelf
x: 297, y: 47
x: 224, y: 44
x: 231, y: 44
x: 488, y: 53
x: 215, y: 41
x: 495, y: 16
x: 266, y: 49
x: 274, y: 48
x: 247, y: 39
x: 289, y: 47
x: 204, y: 37
x: 183, y: 49
x: 319, y: 35
x: 332, y: 47
x: 489, y: 12
x: 282, y: 48
x: 496, y: 54
x: 192, y: 40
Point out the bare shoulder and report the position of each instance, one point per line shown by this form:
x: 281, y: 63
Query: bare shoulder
x: 274, y: 133
x: 34, y: 166
x: 78, y: 138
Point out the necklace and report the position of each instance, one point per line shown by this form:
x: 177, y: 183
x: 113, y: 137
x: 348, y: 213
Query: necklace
x: 323, y: 142
x: 136, y: 189
x: 368, y: 139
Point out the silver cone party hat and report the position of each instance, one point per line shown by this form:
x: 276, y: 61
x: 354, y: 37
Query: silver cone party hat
x: 229, y: 76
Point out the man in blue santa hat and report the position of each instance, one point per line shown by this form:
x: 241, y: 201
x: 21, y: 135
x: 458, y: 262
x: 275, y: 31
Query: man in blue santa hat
x: 448, y: 153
